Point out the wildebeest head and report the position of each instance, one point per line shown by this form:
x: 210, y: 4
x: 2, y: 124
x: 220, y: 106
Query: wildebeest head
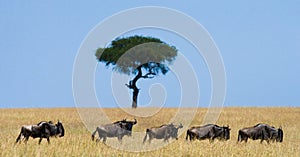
x: 126, y: 125
x: 226, y: 132
x: 129, y: 125
x: 54, y: 129
x: 60, y: 129
x: 279, y: 135
x: 174, y: 130
x: 272, y: 133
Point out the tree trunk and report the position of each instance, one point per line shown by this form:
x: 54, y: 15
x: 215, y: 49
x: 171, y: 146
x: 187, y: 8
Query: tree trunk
x: 135, y: 94
x: 132, y: 85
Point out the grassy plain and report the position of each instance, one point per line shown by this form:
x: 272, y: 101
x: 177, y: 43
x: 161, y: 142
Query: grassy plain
x: 77, y: 141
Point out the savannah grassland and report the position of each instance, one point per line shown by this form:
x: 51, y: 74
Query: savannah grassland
x: 77, y: 140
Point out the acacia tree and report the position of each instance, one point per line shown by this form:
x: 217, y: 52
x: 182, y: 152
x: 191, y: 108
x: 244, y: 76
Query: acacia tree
x: 145, y: 57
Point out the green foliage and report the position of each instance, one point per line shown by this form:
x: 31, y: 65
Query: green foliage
x: 127, y: 54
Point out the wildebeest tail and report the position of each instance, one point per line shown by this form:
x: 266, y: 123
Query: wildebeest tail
x: 22, y: 133
x: 19, y: 137
x: 188, y: 134
x: 240, y: 136
x: 145, y: 138
x: 94, y: 133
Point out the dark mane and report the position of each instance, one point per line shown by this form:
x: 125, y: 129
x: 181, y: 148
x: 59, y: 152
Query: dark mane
x: 257, y: 124
x: 50, y: 122
x: 163, y: 125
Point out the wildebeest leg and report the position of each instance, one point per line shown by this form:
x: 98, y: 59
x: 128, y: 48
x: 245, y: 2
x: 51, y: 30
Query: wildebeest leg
x: 99, y: 138
x: 99, y: 135
x: 120, y: 138
x: 104, y: 139
x: 192, y: 137
x: 267, y: 140
x: 166, y: 138
x: 213, y: 138
x: 189, y: 135
x: 26, y: 139
x: 262, y: 138
x: 241, y: 139
x: 48, y: 140
x: 94, y: 133
x: 242, y: 136
x: 40, y: 140
x: 150, y: 138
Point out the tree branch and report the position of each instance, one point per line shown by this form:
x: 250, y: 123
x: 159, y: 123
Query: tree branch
x: 129, y: 85
x: 149, y: 75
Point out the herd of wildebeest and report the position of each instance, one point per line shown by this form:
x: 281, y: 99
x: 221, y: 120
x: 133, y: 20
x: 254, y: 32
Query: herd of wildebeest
x: 124, y: 127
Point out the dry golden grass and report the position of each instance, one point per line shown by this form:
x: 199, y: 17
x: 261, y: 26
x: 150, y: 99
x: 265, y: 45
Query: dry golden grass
x: 77, y: 141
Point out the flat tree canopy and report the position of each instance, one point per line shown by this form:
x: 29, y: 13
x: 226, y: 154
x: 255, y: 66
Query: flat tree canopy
x: 143, y: 56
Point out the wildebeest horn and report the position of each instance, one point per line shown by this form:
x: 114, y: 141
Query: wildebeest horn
x: 135, y: 121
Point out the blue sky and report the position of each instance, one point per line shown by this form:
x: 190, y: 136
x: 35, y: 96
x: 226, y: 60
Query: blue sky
x: 258, y: 40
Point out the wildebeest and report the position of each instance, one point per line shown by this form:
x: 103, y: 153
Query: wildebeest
x: 117, y: 129
x: 262, y: 132
x: 209, y: 131
x: 41, y: 130
x: 163, y: 132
